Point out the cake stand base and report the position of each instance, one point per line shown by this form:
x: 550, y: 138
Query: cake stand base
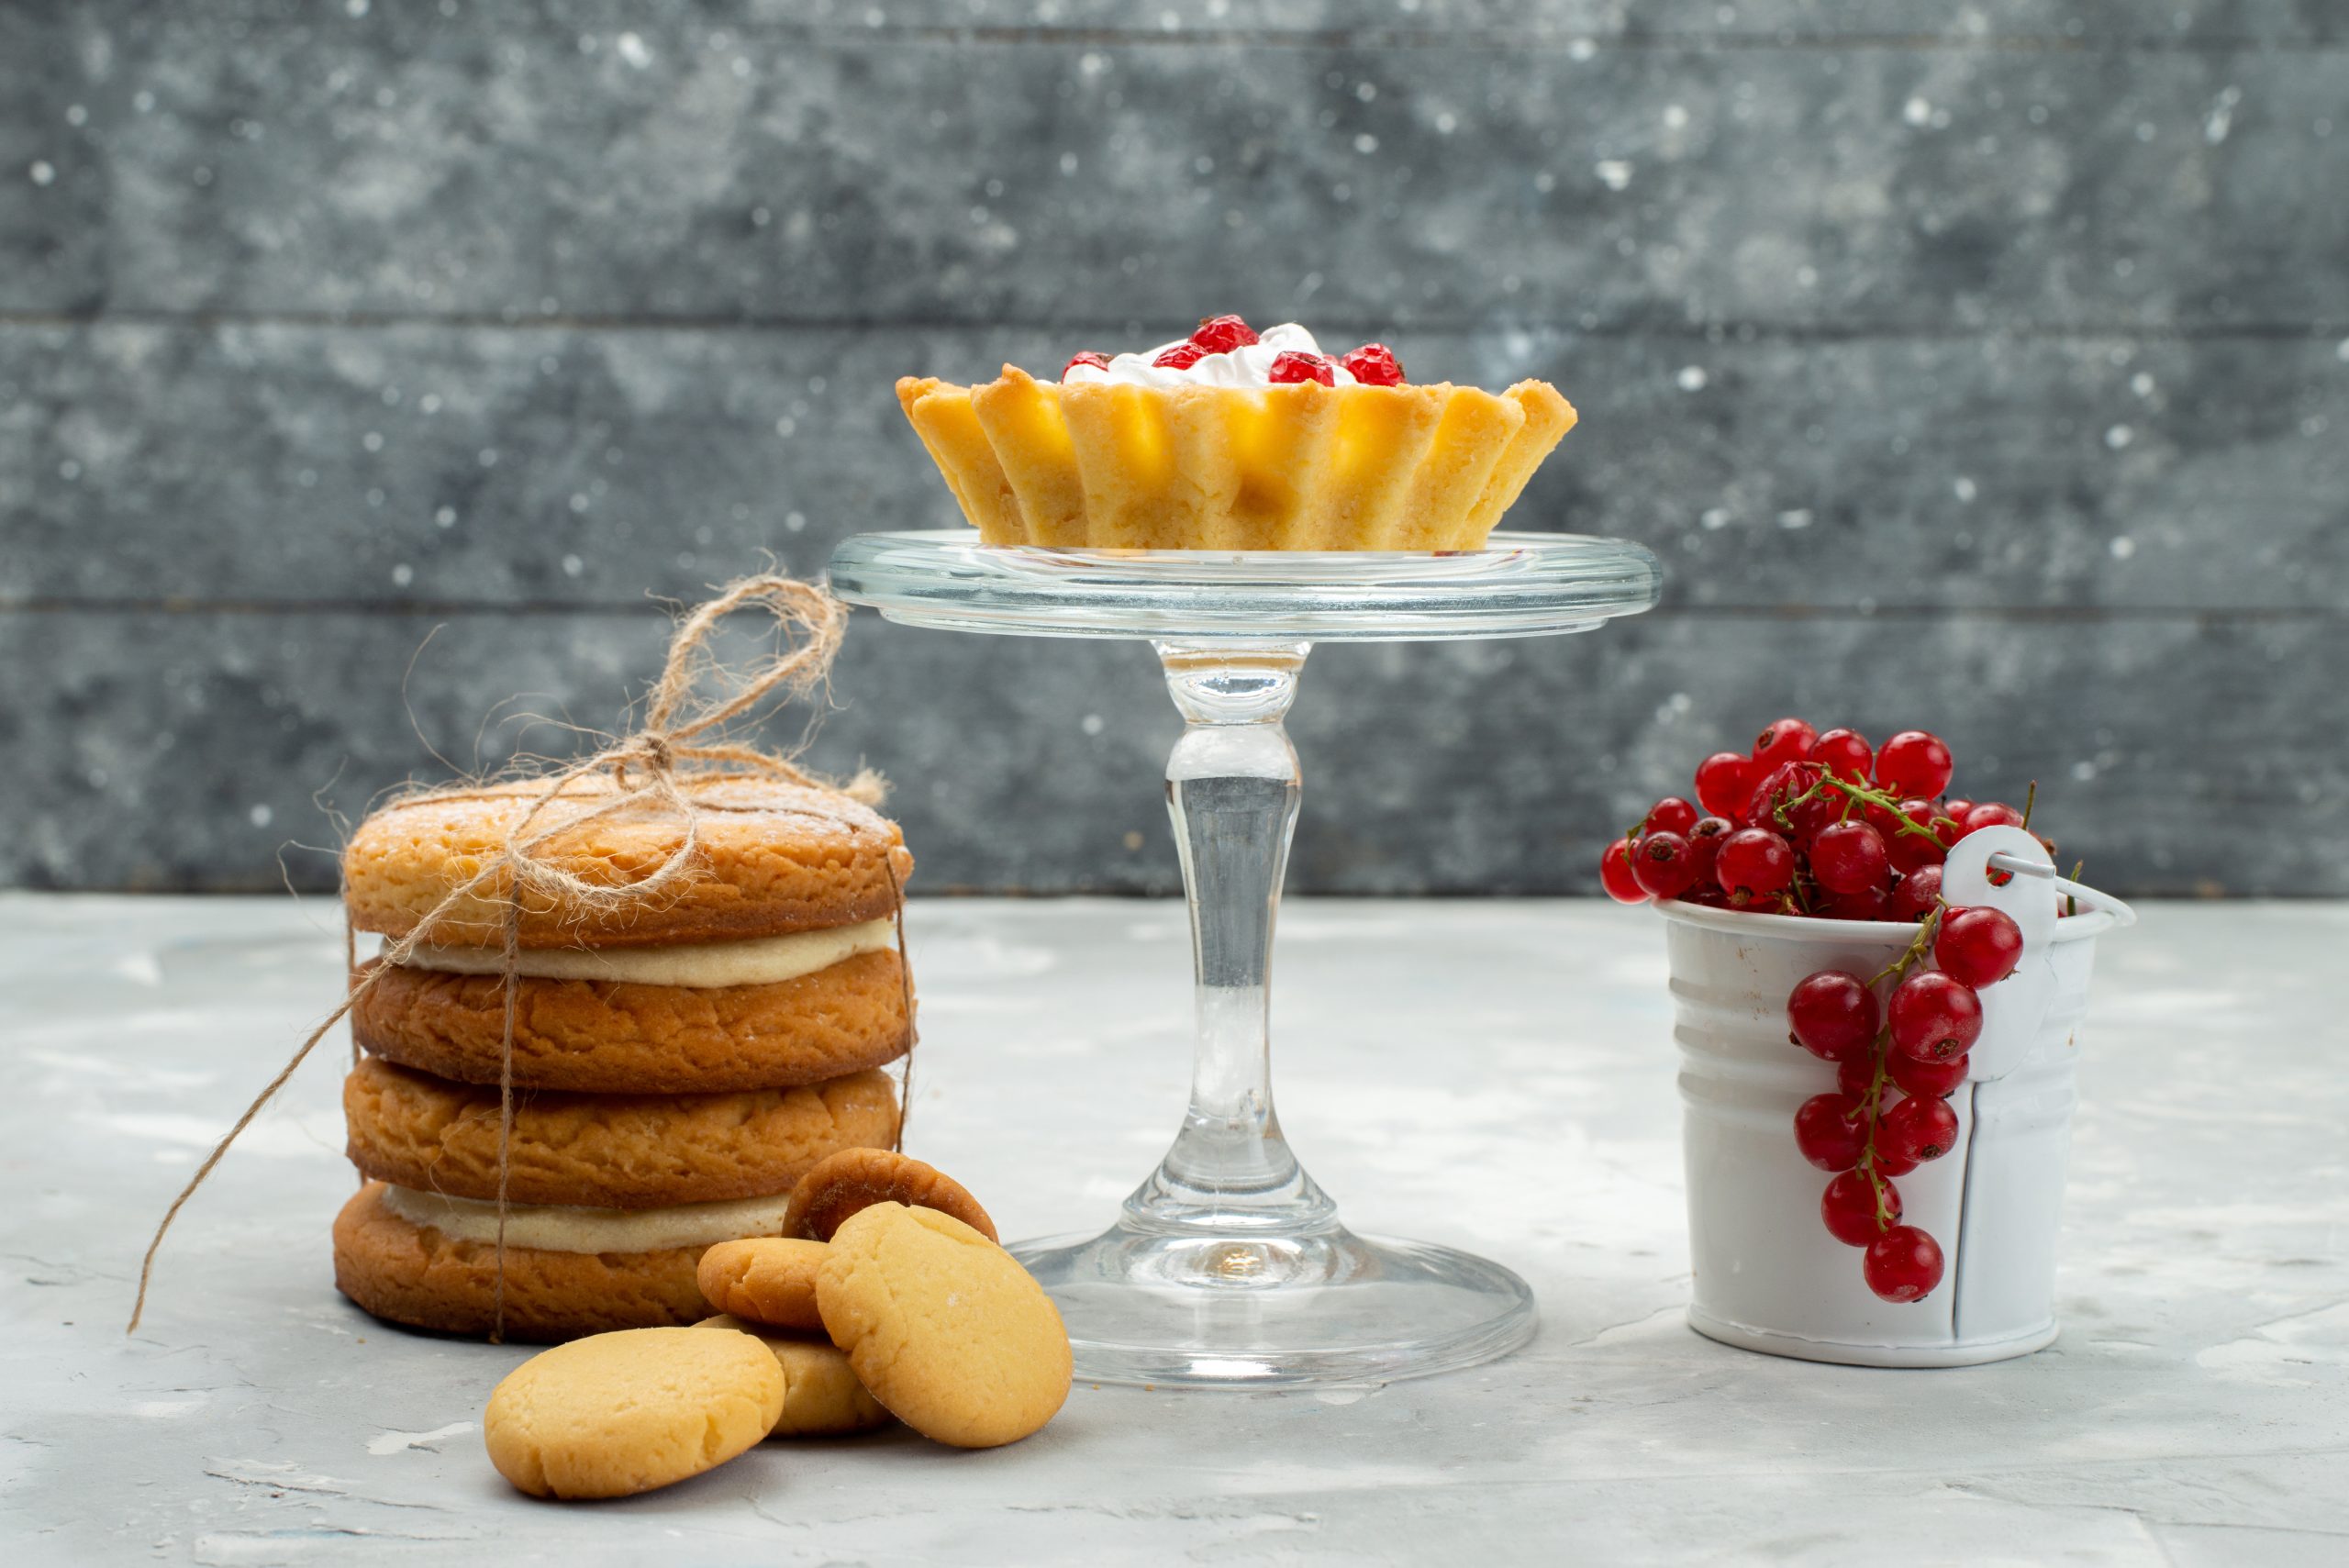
x: 1229, y: 1268
x: 1276, y: 1312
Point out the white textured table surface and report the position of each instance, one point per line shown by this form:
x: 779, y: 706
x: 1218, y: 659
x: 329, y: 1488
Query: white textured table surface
x: 1495, y: 1074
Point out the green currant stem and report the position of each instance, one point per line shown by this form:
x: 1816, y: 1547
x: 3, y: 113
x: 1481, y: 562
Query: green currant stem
x: 1872, y: 1103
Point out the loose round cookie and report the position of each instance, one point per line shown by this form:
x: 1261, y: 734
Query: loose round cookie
x: 821, y: 1397
x: 617, y: 1414
x: 607, y: 1151
x: 943, y: 1327
x: 840, y: 1184
x: 771, y: 858
x: 615, y: 1037
x: 768, y: 1279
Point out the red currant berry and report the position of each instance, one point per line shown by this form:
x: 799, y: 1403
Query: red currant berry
x: 1913, y: 763
x: 1753, y: 864
x: 1849, y: 857
x: 1099, y: 362
x: 1294, y: 367
x: 1671, y: 814
x: 1887, y: 1163
x: 1375, y: 364
x: 1948, y: 819
x: 1778, y: 792
x: 1929, y: 1080
x: 1991, y: 814
x: 1980, y: 946
x: 1910, y: 850
x: 1662, y: 865
x: 1705, y: 847
x: 1920, y: 1128
x: 1615, y: 874
x: 1934, y: 1017
x: 1867, y: 904
x: 1182, y: 356
x: 1221, y: 334
x: 1902, y: 1264
x: 1832, y: 1013
x: 1844, y: 753
x: 1788, y: 740
x: 1855, y: 1074
x: 1724, y: 783
x: 1829, y: 1133
x: 1914, y: 895
x: 1849, y: 1208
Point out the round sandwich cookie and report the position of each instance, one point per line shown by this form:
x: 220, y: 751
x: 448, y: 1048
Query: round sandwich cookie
x: 612, y: 1036
x: 821, y: 1397
x: 943, y: 1327
x: 619, y: 1414
x: 638, y: 1151
x: 432, y: 1262
x: 854, y: 1179
x: 769, y: 858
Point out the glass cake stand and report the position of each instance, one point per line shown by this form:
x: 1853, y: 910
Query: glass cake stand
x: 1227, y: 1267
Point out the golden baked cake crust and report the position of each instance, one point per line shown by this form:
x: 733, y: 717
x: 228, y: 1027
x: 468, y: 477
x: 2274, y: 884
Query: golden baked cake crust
x: 405, y: 1273
x: 1297, y: 466
x: 617, y: 1037
x: 774, y: 858
x: 606, y: 1151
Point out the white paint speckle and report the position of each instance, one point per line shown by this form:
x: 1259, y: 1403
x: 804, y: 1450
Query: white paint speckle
x: 795, y: 522
x: 445, y: 518
x: 1613, y: 173
x: 260, y: 816
x: 403, y: 574
x: 43, y: 172
x: 1092, y: 724
x: 1799, y: 517
x: 1692, y: 378
x: 2119, y: 437
x: 1965, y: 488
x: 1365, y: 143
x: 392, y: 1442
x: 633, y: 50
x: 1916, y: 111
x: 2220, y: 119
x: 2122, y: 547
x: 572, y: 566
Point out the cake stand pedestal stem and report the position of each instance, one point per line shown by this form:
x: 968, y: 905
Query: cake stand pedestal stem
x: 1232, y: 790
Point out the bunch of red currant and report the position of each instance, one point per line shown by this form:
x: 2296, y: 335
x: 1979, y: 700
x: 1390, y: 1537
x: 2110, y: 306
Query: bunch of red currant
x: 1826, y: 824
x: 1895, y: 1064
x: 1806, y: 824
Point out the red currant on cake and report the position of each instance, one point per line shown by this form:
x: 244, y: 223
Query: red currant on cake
x: 1182, y: 356
x: 1375, y: 364
x: 1085, y: 356
x: 1221, y: 334
x: 1296, y: 367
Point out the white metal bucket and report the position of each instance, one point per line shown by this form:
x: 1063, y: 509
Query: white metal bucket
x: 1767, y: 1275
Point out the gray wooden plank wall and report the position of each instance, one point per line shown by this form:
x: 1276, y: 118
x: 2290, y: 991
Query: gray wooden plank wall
x: 1982, y: 366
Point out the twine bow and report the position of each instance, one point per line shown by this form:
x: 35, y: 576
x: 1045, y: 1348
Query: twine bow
x: 647, y: 769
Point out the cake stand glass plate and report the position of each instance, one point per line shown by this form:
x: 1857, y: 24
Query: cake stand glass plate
x: 1228, y: 1267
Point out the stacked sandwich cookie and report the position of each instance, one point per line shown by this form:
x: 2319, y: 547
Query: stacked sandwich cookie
x: 677, y: 1062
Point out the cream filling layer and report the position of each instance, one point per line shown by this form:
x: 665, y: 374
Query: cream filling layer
x: 553, y: 1227
x: 753, y: 961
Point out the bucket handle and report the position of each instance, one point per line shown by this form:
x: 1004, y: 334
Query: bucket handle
x: 2122, y: 916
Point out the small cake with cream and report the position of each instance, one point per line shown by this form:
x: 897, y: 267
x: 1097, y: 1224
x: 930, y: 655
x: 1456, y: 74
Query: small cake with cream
x: 677, y: 1063
x: 1229, y: 439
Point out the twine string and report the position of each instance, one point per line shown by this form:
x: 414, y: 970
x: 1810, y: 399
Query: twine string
x: 679, y: 747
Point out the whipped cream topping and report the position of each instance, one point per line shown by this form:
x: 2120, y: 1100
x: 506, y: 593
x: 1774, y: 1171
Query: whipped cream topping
x: 555, y: 1228
x: 1250, y: 365
x: 749, y: 960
